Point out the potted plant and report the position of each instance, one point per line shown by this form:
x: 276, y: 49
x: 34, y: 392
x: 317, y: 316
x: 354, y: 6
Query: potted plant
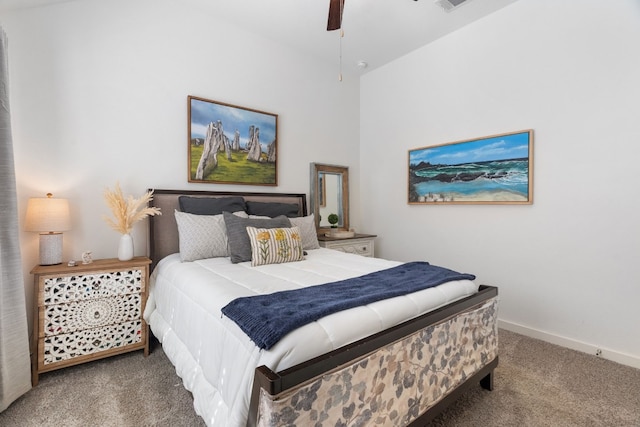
x: 333, y: 220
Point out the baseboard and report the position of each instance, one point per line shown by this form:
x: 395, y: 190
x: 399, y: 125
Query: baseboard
x: 615, y: 356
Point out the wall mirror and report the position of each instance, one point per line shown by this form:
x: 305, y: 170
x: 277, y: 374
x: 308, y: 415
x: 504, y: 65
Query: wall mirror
x: 329, y: 195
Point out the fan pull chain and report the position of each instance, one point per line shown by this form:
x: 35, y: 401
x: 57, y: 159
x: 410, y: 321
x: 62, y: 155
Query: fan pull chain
x: 341, y: 36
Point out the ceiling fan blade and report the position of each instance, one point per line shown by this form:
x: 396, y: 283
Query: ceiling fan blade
x: 335, y: 14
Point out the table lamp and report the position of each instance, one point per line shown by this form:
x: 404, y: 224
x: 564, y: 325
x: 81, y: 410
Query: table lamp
x: 49, y: 217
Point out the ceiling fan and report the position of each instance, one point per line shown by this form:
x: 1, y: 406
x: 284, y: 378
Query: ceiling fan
x: 335, y: 14
x: 336, y: 8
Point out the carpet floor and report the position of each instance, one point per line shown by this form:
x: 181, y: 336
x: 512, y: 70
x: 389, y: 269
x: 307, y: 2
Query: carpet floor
x: 536, y: 384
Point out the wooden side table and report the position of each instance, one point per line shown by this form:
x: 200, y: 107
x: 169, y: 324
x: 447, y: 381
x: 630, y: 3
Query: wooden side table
x: 361, y: 244
x: 88, y: 312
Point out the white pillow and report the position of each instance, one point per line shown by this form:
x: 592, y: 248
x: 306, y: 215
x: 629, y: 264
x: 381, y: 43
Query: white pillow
x: 308, y: 233
x: 202, y: 236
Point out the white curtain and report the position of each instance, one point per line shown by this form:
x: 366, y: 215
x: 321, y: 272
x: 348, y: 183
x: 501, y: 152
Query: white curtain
x: 15, y: 367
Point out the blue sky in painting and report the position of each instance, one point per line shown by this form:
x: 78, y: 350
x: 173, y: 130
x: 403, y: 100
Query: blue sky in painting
x: 504, y: 147
x: 232, y: 118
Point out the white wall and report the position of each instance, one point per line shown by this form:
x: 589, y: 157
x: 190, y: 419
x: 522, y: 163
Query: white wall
x: 99, y: 94
x: 567, y: 265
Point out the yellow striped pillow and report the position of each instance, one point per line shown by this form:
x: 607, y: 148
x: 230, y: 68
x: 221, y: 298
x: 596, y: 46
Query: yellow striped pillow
x: 275, y: 245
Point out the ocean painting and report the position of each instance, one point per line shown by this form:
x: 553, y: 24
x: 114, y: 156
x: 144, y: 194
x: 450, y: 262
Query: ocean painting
x: 492, y: 169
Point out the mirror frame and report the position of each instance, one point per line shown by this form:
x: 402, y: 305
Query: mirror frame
x: 343, y: 171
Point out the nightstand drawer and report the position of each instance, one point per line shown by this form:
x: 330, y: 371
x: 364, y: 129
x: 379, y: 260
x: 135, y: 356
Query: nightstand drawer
x: 95, y: 313
x: 88, y: 343
x: 76, y: 287
x: 360, y: 244
x: 360, y: 248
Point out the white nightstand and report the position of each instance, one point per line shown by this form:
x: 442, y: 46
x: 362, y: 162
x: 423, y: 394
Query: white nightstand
x: 361, y: 244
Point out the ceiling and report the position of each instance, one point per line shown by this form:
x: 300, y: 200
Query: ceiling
x: 375, y: 31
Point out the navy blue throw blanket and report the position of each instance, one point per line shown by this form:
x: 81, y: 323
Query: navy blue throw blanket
x: 267, y: 318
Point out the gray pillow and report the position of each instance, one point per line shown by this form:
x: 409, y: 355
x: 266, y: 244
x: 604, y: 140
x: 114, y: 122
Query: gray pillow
x: 211, y: 205
x: 239, y: 242
x: 308, y: 232
x: 272, y: 209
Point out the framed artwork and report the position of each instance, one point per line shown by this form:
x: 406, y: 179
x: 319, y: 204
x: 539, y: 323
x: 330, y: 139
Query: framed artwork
x: 322, y: 190
x: 228, y: 144
x: 495, y: 169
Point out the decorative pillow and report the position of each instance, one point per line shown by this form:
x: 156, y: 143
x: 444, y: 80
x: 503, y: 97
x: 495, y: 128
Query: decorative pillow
x: 211, y: 205
x: 272, y: 210
x: 202, y: 236
x: 308, y: 232
x: 275, y: 245
x: 239, y: 244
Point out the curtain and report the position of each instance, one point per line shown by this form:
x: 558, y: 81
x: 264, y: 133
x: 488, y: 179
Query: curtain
x: 15, y: 367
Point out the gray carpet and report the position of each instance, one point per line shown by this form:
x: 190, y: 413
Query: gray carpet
x: 541, y: 384
x: 122, y: 391
x: 536, y: 384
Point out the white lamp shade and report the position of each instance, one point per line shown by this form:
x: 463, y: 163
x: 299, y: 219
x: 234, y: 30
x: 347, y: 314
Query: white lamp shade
x: 46, y: 214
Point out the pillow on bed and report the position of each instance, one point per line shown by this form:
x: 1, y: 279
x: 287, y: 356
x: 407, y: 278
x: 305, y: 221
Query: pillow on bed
x: 275, y: 245
x: 308, y: 232
x: 211, y: 205
x: 239, y: 243
x: 202, y: 236
x: 273, y: 209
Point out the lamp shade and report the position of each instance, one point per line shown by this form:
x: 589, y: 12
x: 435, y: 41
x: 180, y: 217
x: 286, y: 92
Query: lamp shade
x: 46, y: 214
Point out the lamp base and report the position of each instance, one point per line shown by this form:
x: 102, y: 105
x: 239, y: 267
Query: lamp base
x: 50, y: 248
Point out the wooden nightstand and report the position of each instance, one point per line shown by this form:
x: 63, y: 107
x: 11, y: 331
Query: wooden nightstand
x: 88, y: 312
x: 361, y: 244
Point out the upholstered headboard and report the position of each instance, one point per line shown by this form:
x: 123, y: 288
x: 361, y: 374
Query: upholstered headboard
x: 163, y: 230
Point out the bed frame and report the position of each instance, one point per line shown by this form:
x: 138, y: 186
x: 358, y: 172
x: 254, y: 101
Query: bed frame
x: 405, y: 375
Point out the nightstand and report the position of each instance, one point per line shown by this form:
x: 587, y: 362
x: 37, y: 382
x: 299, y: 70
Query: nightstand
x: 88, y: 312
x: 361, y: 244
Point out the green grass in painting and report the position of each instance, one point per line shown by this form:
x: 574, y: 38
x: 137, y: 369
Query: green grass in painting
x: 239, y: 169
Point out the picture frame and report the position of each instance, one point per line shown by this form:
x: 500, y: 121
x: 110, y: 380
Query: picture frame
x: 229, y: 144
x: 322, y: 190
x: 495, y: 169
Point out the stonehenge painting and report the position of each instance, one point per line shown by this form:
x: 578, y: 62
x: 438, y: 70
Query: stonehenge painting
x: 228, y: 144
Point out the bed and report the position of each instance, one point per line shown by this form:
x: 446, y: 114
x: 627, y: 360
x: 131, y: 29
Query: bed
x: 400, y: 361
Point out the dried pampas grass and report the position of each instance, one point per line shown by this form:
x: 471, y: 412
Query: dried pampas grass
x: 127, y: 211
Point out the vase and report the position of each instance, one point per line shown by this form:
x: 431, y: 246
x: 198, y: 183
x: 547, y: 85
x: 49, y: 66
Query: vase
x: 125, y: 248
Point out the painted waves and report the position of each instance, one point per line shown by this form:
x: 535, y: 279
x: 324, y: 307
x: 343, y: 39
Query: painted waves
x: 471, y: 178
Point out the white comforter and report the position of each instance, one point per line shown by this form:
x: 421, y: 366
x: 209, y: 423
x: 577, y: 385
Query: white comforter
x: 216, y: 360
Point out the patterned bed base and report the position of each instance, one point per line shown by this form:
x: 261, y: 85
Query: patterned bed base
x: 408, y: 380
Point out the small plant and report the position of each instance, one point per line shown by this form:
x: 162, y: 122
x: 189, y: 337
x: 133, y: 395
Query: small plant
x: 333, y: 220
